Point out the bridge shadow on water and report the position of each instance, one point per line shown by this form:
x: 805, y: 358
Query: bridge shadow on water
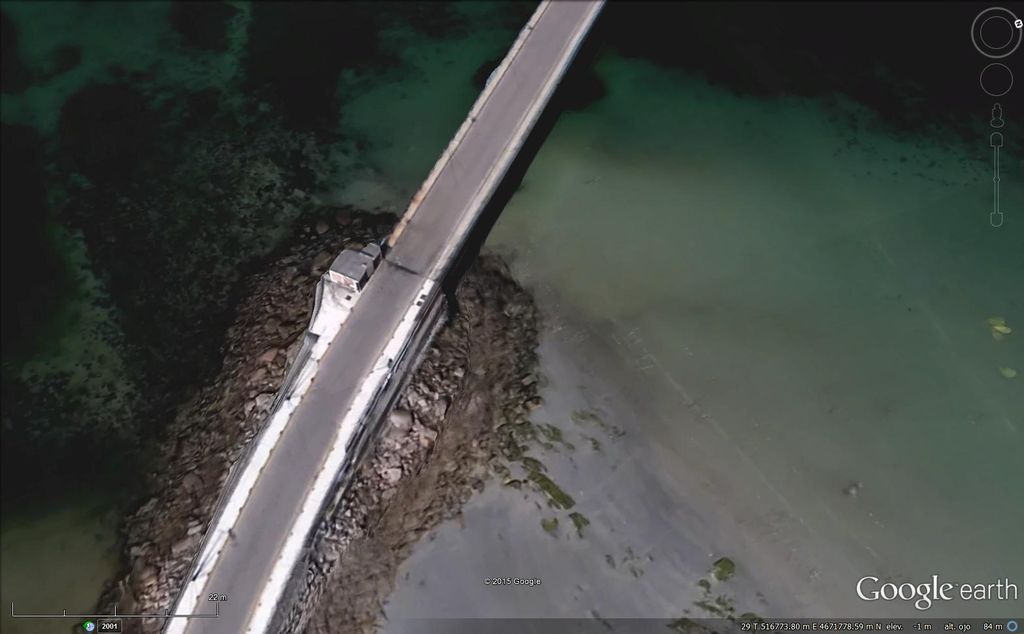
x: 578, y: 88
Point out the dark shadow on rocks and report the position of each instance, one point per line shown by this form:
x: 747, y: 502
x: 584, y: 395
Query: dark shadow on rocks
x: 201, y: 107
x: 66, y: 58
x: 202, y: 25
x: 176, y: 212
x: 108, y: 131
x: 298, y: 49
x: 14, y: 76
x: 34, y: 276
x: 434, y: 19
x: 40, y: 441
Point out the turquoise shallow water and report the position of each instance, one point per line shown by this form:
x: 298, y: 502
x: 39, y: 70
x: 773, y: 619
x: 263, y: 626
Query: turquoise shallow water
x: 809, y: 313
x: 795, y: 300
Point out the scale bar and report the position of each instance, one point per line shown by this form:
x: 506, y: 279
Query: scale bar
x: 115, y: 615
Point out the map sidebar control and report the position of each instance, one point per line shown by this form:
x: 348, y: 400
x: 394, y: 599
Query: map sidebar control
x: 996, y: 33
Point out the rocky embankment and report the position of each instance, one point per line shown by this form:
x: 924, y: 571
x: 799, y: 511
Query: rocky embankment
x: 460, y: 420
x: 211, y: 430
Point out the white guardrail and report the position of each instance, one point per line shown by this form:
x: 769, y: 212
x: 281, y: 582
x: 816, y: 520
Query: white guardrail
x: 369, y: 389
x: 332, y: 311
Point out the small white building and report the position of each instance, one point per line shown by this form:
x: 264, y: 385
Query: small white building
x: 339, y: 287
x: 352, y: 269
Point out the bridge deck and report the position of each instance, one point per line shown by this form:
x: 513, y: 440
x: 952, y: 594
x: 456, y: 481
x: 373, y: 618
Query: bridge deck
x: 429, y: 239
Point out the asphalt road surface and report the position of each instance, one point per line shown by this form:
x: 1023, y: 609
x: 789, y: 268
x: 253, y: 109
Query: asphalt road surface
x: 444, y: 215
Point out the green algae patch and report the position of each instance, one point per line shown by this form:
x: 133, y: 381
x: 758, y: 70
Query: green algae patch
x: 709, y: 607
x: 585, y: 417
x: 551, y: 432
x: 554, y: 435
x: 723, y: 569
x: 556, y: 496
x: 524, y: 432
x: 513, y: 483
x: 688, y: 626
x: 550, y: 525
x: 580, y: 521
x: 532, y: 464
x: 721, y: 606
x: 512, y: 450
x: 998, y: 327
x: 500, y: 469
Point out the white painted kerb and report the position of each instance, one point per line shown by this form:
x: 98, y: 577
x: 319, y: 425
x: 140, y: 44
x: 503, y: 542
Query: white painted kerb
x: 334, y: 311
x: 468, y: 122
x: 526, y: 123
x: 350, y: 423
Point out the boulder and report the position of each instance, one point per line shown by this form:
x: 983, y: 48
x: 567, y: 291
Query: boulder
x: 392, y: 475
x: 401, y: 419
